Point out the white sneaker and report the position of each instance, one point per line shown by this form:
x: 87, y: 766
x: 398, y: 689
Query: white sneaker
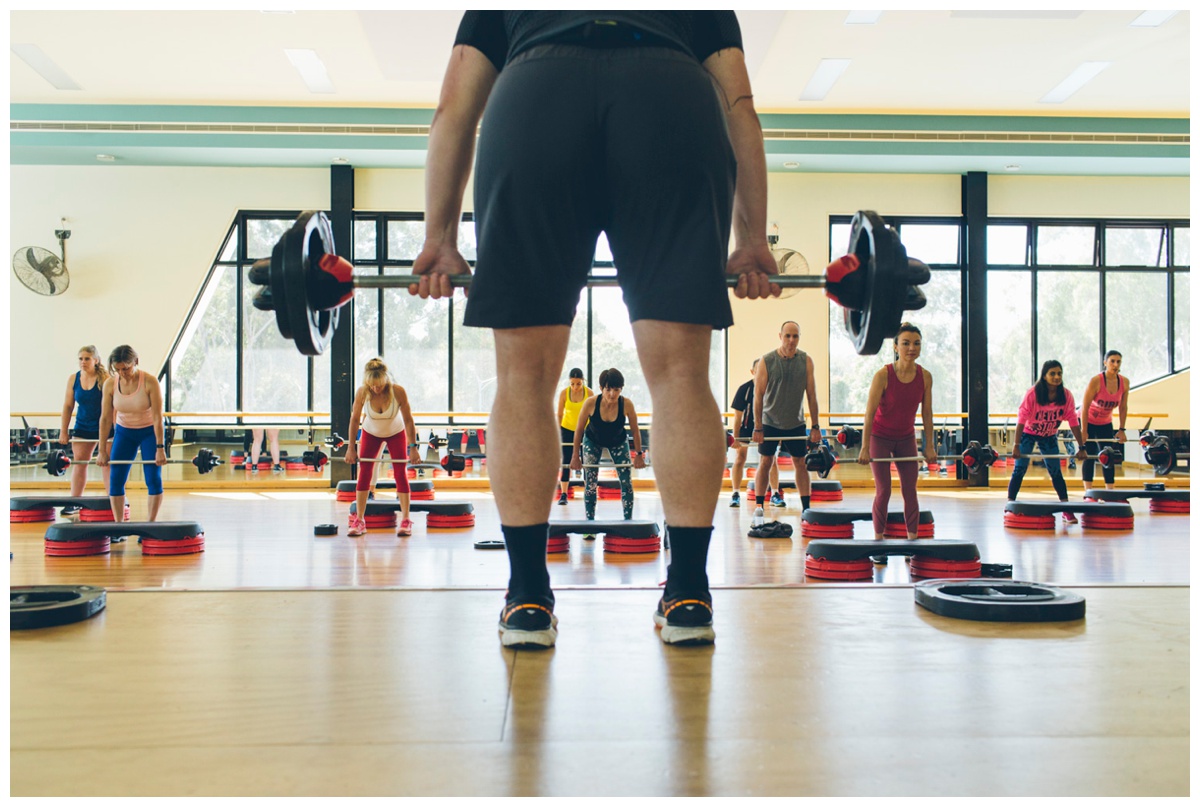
x: 757, y: 520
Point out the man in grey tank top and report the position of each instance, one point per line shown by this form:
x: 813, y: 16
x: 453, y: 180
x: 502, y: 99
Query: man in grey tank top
x: 784, y: 377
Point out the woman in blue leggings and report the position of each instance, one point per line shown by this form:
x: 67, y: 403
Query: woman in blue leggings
x: 134, y: 398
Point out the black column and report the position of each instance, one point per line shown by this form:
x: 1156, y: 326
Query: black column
x: 975, y: 214
x: 341, y: 348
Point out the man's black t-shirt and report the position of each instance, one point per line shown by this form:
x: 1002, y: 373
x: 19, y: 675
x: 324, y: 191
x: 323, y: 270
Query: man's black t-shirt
x: 743, y: 401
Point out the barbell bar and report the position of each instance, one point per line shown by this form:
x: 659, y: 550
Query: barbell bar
x: 305, y: 283
x: 57, y: 462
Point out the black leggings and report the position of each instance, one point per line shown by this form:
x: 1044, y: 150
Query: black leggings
x: 568, y: 438
x: 1102, y: 431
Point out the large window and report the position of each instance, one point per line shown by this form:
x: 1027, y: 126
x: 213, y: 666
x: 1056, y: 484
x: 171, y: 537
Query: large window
x: 940, y: 321
x: 231, y: 357
x: 1065, y: 290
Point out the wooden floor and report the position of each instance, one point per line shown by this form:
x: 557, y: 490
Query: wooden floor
x: 282, y: 663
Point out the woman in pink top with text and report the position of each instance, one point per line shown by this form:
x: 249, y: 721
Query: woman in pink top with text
x: 1106, y: 392
x: 889, y: 431
x: 1046, y: 405
x: 134, y: 397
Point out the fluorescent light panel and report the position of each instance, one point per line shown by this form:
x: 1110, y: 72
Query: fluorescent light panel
x: 310, y: 67
x: 823, y: 79
x: 1152, y: 19
x: 33, y: 56
x: 863, y: 17
x: 1071, y: 84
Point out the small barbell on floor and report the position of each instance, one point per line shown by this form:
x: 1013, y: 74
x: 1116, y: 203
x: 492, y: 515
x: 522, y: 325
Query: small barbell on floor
x: 57, y: 462
x: 305, y: 283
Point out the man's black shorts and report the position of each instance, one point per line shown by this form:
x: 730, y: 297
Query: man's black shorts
x: 629, y: 141
x: 797, y: 447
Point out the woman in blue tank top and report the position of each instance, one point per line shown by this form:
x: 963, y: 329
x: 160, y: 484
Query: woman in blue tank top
x: 84, y: 390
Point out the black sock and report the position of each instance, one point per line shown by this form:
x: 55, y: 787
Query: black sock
x: 688, y: 573
x: 805, y: 501
x: 529, y: 579
x: 759, y: 499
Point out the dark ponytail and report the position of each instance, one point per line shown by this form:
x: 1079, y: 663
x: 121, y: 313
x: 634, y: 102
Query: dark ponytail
x: 905, y: 327
x: 1041, y: 389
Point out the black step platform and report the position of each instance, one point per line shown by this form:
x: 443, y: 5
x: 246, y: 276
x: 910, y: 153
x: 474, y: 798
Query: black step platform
x: 156, y: 537
x: 830, y: 517
x: 1049, y: 508
x: 414, y: 485
x: 858, y: 550
x: 41, y: 502
x: 1136, y: 493
x: 626, y: 529
x: 377, y: 508
x: 1040, y: 515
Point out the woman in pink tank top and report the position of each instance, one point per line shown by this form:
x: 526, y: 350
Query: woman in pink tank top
x: 897, y: 390
x: 133, y: 399
x: 1105, y: 393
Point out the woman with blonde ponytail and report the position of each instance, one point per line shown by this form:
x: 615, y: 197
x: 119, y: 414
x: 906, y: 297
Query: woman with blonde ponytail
x: 84, y: 389
x: 381, y: 407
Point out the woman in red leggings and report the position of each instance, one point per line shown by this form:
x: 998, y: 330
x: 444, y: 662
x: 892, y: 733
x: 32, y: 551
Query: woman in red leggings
x: 888, y: 431
x: 380, y: 406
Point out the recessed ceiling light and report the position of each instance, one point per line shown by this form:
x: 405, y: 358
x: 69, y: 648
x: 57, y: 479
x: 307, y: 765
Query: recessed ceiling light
x: 791, y: 165
x: 823, y: 79
x: 106, y: 158
x: 310, y: 67
x: 1152, y: 19
x: 1073, y: 83
x: 1012, y: 167
x: 863, y: 17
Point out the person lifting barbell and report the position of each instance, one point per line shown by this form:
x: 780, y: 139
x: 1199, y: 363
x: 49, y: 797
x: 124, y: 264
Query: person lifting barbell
x: 381, y: 406
x: 600, y: 427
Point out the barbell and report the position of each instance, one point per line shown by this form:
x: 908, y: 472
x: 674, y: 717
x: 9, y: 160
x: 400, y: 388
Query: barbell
x: 305, y: 283
x: 57, y: 462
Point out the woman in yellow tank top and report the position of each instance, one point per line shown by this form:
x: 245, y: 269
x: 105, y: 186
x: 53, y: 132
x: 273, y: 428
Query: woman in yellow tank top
x: 570, y: 401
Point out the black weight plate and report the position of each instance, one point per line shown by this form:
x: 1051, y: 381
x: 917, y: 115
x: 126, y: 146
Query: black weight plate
x: 489, y: 544
x: 325, y: 529
x: 46, y: 606
x: 999, y: 600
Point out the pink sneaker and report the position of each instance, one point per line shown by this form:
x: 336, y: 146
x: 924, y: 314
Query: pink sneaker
x: 1069, y: 518
x: 357, y: 526
x: 405, y: 527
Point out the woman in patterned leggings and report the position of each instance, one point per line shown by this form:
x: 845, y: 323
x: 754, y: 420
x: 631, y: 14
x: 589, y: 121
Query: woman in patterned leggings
x: 602, y: 426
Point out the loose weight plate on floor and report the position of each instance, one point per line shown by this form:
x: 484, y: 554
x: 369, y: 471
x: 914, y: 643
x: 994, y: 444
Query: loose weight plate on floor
x: 997, y: 600
x: 46, y: 606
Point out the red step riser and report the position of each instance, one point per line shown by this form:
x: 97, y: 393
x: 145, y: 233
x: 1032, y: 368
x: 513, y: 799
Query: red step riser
x: 30, y: 516
x: 826, y: 530
x: 1020, y: 522
x: 1106, y: 523
x: 77, y: 548
x: 437, y: 522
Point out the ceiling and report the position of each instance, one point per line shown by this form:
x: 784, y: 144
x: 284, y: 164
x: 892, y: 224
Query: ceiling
x: 973, y: 81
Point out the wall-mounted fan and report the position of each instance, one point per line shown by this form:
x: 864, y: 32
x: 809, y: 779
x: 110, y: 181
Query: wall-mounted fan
x: 789, y: 261
x: 40, y: 270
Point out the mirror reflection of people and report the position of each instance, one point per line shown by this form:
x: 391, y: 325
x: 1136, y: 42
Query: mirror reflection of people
x: 85, y: 389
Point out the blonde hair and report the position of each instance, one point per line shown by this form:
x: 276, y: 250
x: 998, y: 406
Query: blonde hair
x: 101, y: 370
x: 376, y: 371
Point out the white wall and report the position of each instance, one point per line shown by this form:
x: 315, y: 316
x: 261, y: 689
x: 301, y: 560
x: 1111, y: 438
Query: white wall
x: 143, y: 240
